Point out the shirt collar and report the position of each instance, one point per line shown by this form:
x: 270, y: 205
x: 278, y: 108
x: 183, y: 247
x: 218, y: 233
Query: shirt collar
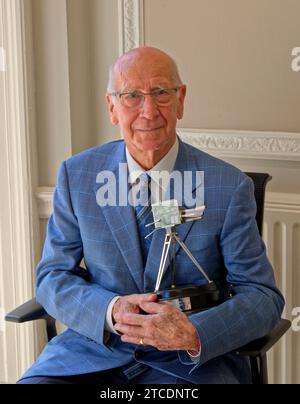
x: 167, y: 163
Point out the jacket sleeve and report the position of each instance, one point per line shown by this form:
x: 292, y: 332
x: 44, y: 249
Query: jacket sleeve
x: 257, y: 304
x: 63, y: 287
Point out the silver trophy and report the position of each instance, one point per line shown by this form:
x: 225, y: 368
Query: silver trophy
x: 188, y: 298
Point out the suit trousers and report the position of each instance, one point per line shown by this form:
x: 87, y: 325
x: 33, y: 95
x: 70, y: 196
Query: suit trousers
x: 144, y: 375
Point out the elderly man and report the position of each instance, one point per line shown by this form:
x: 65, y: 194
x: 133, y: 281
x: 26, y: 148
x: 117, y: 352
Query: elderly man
x: 117, y: 330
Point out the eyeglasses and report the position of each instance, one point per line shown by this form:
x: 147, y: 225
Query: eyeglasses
x: 161, y: 97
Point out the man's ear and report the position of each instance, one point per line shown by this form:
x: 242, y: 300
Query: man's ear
x: 181, y: 98
x: 112, y: 111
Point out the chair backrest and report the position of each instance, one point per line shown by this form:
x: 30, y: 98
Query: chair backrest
x: 260, y: 181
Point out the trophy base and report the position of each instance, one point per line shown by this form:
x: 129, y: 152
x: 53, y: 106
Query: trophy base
x: 192, y: 299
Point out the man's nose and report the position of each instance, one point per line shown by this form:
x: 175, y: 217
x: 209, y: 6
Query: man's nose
x: 149, y: 109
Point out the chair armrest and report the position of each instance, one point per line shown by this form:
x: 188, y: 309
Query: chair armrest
x: 28, y: 311
x: 262, y: 345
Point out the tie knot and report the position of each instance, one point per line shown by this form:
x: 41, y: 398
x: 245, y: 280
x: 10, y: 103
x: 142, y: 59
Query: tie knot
x: 144, y: 195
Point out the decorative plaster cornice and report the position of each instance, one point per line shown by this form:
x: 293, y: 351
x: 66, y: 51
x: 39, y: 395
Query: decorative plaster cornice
x: 245, y: 144
x: 282, y: 202
x: 44, y: 198
x: 131, y: 24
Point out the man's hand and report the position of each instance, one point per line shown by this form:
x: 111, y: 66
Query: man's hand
x: 131, y: 304
x: 164, y: 327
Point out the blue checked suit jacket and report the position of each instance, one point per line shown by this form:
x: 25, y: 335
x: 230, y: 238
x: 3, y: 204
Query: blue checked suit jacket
x: 226, y: 243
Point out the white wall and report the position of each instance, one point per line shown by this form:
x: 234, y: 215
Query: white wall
x: 74, y: 43
x: 236, y: 59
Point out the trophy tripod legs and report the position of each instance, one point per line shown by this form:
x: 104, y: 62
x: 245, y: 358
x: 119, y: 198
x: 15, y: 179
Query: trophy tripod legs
x: 169, y: 238
x: 192, y: 258
x: 163, y: 260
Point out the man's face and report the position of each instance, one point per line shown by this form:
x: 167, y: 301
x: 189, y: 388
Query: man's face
x: 147, y: 128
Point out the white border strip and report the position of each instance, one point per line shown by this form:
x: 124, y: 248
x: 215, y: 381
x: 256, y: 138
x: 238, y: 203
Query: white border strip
x: 245, y: 144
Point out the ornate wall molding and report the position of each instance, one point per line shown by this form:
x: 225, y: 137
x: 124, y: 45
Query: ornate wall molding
x: 44, y: 197
x: 245, y: 144
x: 282, y: 202
x: 131, y: 24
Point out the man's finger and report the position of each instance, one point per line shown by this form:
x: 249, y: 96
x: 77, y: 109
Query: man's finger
x: 149, y: 297
x: 137, y: 341
x: 153, y: 307
x: 130, y: 330
x: 145, y: 297
x: 132, y: 319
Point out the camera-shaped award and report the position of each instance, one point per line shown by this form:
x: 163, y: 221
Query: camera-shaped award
x: 189, y: 298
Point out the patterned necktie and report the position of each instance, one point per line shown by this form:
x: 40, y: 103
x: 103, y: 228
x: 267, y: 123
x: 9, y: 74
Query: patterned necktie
x: 143, y: 214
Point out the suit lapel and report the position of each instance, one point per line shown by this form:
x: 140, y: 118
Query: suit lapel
x: 122, y: 224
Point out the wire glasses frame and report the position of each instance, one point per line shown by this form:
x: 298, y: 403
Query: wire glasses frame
x: 134, y: 99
